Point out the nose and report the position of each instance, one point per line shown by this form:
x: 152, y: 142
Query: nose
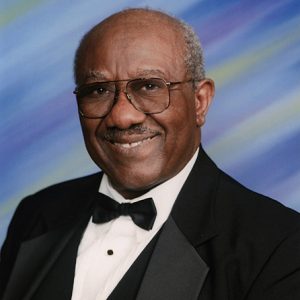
x: 123, y: 114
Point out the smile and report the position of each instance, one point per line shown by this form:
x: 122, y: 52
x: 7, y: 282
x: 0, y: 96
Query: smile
x: 133, y: 144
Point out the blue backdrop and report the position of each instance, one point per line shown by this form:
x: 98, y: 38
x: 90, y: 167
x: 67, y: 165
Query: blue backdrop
x: 252, y: 50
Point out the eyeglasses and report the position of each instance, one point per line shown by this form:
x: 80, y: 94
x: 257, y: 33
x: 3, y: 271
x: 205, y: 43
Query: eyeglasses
x: 148, y: 95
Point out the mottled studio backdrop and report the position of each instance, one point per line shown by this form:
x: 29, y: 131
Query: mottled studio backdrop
x: 252, y: 50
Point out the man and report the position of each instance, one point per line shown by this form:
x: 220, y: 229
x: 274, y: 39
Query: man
x: 186, y: 230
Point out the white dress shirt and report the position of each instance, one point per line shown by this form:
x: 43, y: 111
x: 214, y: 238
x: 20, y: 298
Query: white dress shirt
x: 107, y: 250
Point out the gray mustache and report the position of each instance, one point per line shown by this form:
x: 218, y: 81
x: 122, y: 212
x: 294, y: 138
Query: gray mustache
x: 113, y: 132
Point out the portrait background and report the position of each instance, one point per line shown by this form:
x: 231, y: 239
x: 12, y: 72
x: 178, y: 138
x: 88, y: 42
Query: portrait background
x: 251, y: 50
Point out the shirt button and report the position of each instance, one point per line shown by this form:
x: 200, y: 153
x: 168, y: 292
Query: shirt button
x: 110, y: 252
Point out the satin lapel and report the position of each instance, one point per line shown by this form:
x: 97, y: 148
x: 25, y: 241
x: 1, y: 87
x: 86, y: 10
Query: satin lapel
x: 167, y: 276
x: 176, y: 270
x: 194, y: 209
x: 36, y: 257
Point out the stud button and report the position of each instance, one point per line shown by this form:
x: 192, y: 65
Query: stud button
x: 110, y: 252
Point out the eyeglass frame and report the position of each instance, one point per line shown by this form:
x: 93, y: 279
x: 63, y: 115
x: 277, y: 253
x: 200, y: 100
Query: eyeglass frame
x: 128, y: 96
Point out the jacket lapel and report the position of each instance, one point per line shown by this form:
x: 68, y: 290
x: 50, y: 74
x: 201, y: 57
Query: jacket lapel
x: 176, y: 270
x: 37, y: 257
x: 194, y: 209
x: 48, y: 253
x: 167, y: 276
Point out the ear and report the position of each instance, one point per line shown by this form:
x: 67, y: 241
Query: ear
x: 204, y: 94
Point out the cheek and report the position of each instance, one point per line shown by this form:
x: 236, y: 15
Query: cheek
x: 180, y: 120
x: 181, y: 133
x: 90, y: 129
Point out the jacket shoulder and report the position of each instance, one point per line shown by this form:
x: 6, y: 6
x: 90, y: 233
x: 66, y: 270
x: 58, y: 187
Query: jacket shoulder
x: 239, y: 205
x: 59, y: 193
x: 257, y: 245
x: 53, y: 205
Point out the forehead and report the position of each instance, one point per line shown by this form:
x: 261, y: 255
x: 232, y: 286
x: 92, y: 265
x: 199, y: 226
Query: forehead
x: 139, y: 21
x: 133, y: 42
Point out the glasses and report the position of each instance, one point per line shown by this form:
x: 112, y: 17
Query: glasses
x: 148, y: 95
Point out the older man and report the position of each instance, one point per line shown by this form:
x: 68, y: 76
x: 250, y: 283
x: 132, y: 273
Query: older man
x: 161, y: 221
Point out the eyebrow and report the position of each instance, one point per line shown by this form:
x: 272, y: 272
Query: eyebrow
x: 147, y: 72
x: 99, y: 76
x: 94, y: 74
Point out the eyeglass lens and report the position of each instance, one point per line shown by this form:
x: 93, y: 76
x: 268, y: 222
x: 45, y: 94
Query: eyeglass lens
x: 146, y: 95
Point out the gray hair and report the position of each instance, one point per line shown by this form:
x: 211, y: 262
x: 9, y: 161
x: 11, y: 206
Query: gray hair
x: 194, y: 61
x: 193, y: 57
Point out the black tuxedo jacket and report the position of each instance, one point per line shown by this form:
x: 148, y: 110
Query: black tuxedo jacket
x: 221, y: 241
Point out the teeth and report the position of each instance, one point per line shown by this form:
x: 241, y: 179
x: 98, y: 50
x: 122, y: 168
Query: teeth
x: 131, y: 145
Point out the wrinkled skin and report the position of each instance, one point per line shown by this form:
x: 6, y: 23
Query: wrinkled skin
x: 139, y: 151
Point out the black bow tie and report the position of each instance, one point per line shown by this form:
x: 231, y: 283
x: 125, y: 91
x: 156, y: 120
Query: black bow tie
x: 142, y: 213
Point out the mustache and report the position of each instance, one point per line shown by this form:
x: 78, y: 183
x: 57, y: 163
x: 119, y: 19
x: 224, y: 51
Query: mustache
x: 114, y: 132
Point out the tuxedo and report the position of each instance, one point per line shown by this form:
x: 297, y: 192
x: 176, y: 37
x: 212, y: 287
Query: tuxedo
x: 221, y: 241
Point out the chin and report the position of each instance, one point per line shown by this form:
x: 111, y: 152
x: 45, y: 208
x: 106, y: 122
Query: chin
x: 135, y: 184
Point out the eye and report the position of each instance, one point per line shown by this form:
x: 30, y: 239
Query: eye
x: 148, y: 86
x: 97, y: 90
x: 100, y: 90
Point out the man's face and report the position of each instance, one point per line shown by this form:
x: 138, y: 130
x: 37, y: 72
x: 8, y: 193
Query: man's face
x: 139, y: 151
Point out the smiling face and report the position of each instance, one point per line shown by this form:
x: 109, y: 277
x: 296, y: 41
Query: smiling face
x: 139, y: 151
